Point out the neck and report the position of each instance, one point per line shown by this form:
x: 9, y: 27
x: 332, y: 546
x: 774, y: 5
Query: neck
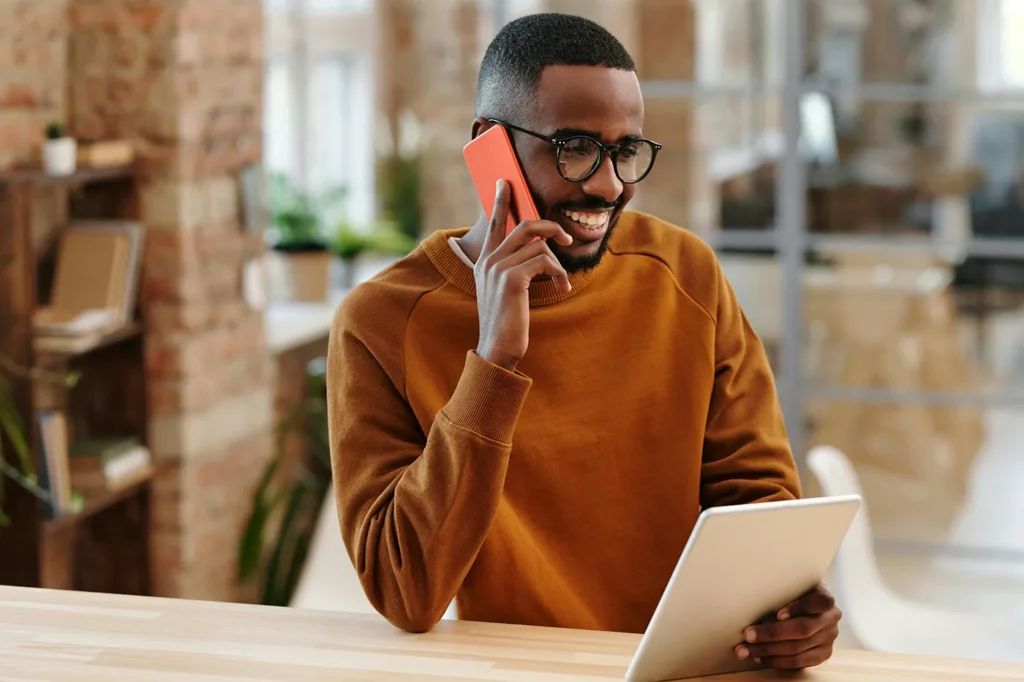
x: 472, y: 243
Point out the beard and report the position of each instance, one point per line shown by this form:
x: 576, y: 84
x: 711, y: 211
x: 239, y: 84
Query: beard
x: 577, y: 264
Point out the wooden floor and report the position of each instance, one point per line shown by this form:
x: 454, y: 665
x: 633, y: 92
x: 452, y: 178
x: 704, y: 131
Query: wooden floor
x: 71, y: 636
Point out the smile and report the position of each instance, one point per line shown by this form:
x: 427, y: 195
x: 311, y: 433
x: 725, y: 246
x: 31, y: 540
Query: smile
x: 589, y: 219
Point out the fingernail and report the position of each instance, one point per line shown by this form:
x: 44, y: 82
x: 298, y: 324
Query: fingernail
x: 757, y: 660
x: 750, y: 634
x: 784, y: 614
x: 498, y: 185
x: 742, y: 653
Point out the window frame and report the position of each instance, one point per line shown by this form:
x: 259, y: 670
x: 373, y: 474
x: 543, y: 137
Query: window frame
x: 300, y: 36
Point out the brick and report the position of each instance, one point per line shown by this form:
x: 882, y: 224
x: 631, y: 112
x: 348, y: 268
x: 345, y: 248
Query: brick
x: 175, y: 395
x: 187, y: 48
x: 198, y: 434
x: 220, y: 195
x: 147, y: 15
x: 18, y: 95
x: 21, y: 131
x: 172, y: 205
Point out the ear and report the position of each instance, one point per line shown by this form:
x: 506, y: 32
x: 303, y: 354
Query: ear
x: 480, y: 126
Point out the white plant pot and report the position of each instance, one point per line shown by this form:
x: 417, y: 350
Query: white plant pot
x: 59, y: 156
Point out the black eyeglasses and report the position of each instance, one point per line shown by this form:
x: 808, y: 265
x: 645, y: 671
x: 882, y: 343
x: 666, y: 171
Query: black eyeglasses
x: 579, y: 156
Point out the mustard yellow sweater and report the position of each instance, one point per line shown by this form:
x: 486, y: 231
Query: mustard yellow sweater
x: 561, y: 494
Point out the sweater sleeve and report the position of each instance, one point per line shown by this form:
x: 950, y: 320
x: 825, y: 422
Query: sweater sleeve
x: 747, y: 457
x: 415, y: 508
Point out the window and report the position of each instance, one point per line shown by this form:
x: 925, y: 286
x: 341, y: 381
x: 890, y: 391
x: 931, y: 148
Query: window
x: 319, y: 98
x: 1000, y: 50
x: 1011, y: 26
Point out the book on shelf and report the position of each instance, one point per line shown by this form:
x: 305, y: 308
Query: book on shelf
x: 105, y: 153
x: 95, y: 285
x: 103, y: 465
x: 55, y: 474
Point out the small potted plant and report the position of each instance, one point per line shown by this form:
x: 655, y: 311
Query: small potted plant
x: 297, y: 220
x: 349, y: 245
x: 386, y: 238
x: 60, y: 151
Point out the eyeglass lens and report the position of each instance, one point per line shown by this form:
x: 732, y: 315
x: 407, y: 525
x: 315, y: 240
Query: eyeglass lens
x: 579, y: 156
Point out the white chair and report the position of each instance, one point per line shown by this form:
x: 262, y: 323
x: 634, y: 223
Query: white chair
x: 882, y: 620
x: 329, y: 581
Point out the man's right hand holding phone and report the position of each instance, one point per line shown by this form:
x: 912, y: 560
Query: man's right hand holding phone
x: 503, y: 272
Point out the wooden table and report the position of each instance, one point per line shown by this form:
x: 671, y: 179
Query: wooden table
x: 69, y: 636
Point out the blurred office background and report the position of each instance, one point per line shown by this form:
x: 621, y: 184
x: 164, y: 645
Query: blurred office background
x: 857, y: 164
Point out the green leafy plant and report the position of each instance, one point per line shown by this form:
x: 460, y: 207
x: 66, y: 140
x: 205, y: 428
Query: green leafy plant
x: 12, y: 426
x: 286, y: 504
x: 390, y: 238
x: 385, y: 238
x: 54, y: 131
x: 350, y: 243
x: 298, y: 218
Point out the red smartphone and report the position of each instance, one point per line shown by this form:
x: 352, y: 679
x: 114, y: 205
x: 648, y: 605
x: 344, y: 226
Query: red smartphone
x: 490, y: 158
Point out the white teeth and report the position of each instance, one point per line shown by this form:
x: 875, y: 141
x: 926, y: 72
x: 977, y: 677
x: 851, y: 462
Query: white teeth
x: 590, y: 220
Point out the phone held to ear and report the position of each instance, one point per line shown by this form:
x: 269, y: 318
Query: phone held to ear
x: 491, y: 157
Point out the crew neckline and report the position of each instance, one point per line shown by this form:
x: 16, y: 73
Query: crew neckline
x: 460, y: 274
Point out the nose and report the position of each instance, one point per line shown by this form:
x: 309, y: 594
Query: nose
x: 604, y: 182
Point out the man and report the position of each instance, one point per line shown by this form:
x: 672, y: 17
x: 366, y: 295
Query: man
x: 533, y: 426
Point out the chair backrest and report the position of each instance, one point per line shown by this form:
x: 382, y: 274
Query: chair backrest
x: 329, y: 581
x: 856, y: 567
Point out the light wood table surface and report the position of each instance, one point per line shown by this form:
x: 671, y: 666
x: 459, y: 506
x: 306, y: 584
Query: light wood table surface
x: 72, y: 636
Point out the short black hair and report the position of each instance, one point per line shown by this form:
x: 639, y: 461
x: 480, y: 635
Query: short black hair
x: 513, y: 63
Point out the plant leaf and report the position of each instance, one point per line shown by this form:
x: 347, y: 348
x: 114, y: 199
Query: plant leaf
x: 250, y: 547
x: 273, y: 595
x: 10, y: 422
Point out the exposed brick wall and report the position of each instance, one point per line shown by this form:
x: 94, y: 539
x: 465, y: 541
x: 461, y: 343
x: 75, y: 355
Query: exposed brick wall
x: 33, y: 75
x: 183, y: 78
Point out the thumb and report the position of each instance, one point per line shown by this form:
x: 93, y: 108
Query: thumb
x: 814, y: 603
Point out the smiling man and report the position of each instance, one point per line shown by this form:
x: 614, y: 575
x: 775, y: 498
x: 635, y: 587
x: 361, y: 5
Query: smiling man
x: 532, y: 426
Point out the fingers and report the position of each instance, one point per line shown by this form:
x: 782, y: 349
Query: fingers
x: 769, y: 652
x: 542, y: 264
x: 529, y: 231
x: 499, y: 219
x: 805, y: 659
x: 814, y: 603
x: 802, y: 636
x: 524, y: 254
x: 814, y: 655
x: 795, y: 628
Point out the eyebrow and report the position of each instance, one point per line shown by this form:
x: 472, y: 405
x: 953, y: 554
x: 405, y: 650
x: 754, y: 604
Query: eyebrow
x: 569, y: 132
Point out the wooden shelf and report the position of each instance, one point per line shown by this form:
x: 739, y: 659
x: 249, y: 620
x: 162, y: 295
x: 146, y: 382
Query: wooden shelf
x: 95, y: 505
x: 71, y: 346
x: 36, y: 176
x: 103, y: 546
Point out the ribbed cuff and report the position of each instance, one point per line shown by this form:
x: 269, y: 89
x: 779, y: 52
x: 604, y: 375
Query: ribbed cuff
x: 488, y: 399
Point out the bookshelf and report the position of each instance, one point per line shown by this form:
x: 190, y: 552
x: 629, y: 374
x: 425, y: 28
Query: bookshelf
x: 103, y: 544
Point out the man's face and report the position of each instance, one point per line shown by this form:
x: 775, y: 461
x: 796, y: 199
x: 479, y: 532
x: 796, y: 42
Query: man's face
x: 597, y: 101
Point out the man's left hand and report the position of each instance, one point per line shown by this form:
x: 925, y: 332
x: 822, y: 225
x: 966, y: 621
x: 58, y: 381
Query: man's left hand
x: 800, y: 636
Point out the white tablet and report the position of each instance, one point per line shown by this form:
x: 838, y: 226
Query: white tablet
x: 740, y: 564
